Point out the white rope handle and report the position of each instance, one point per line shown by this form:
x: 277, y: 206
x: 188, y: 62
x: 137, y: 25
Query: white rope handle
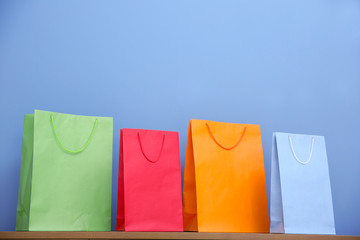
x: 311, y: 151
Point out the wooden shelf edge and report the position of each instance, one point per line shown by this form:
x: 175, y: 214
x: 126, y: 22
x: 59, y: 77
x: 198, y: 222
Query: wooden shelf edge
x: 168, y: 235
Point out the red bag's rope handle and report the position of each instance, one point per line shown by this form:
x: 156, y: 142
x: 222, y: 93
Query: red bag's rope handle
x: 226, y: 148
x: 142, y: 150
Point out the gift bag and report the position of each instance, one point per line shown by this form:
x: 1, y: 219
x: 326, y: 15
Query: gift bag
x: 300, y: 200
x: 224, y: 180
x: 149, y: 188
x: 65, y: 176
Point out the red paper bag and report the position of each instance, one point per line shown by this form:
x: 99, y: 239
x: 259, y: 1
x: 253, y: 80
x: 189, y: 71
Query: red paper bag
x: 149, y: 191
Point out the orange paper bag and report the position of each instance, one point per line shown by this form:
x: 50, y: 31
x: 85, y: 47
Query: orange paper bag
x: 224, y: 178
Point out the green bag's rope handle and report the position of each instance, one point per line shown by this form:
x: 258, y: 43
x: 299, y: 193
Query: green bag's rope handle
x: 71, y: 151
x: 226, y: 148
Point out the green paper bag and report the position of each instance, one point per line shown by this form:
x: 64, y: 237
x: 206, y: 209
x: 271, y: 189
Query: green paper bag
x: 65, y: 176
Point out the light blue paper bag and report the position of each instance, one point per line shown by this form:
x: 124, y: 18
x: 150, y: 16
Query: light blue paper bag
x: 300, y: 200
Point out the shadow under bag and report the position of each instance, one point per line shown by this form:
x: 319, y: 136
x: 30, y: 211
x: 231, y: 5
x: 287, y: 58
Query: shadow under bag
x: 300, y: 200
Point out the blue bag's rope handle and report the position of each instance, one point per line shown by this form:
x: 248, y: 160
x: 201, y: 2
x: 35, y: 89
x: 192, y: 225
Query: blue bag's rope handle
x: 68, y: 150
x: 296, y: 158
x: 142, y: 150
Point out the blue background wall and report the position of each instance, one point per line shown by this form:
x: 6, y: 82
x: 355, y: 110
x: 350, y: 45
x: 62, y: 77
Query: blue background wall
x: 290, y: 66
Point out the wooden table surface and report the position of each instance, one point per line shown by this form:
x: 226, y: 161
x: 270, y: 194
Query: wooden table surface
x: 167, y: 235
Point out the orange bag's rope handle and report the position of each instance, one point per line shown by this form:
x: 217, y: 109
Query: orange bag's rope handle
x: 142, y: 150
x: 226, y: 148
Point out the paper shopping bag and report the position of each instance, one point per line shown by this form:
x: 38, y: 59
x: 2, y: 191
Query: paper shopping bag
x: 65, y: 176
x: 224, y: 180
x: 300, y: 200
x: 149, y: 189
